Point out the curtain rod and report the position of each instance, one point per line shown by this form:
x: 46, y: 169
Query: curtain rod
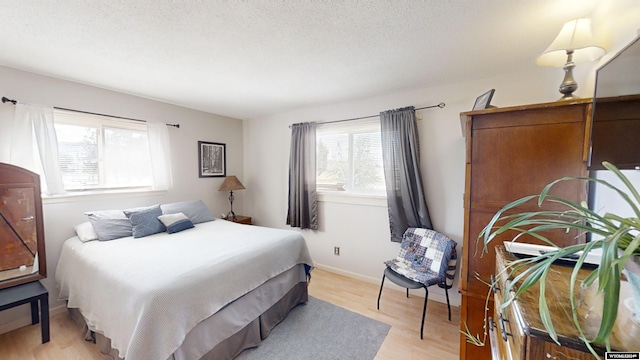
x: 6, y: 100
x: 440, y: 105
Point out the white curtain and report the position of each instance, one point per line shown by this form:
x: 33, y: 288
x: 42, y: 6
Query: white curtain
x: 34, y: 145
x: 159, y: 147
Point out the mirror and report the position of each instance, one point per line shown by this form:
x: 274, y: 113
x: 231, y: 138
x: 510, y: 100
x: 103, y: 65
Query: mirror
x: 615, y: 134
x: 22, y: 254
x: 616, y: 111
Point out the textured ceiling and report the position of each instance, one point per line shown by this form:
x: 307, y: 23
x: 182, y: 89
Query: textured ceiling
x: 248, y: 59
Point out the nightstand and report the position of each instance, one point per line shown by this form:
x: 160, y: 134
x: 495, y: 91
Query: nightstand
x: 32, y: 293
x: 240, y: 219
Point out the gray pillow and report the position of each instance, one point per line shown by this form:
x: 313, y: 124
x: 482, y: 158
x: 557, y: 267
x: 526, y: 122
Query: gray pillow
x: 145, y: 220
x: 195, y: 210
x: 110, y: 224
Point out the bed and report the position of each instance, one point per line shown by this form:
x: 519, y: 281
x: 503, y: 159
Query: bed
x: 207, y: 292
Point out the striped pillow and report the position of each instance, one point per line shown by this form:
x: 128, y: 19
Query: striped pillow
x: 175, y: 222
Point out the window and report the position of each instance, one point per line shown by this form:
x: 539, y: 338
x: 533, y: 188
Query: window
x: 349, y: 157
x: 100, y: 153
x: 606, y: 200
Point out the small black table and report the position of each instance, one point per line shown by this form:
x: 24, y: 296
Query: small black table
x: 29, y: 293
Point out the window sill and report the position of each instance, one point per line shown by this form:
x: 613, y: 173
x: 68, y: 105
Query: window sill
x: 97, y: 195
x: 355, y: 199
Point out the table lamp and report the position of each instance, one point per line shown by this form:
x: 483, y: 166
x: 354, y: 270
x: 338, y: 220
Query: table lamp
x: 229, y: 184
x: 574, y: 44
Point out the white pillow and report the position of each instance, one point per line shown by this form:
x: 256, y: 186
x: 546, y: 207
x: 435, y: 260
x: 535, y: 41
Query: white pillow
x: 85, y: 232
x: 175, y: 222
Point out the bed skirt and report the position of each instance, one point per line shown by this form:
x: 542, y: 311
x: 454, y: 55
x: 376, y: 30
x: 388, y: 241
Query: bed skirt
x: 249, y: 336
x: 259, y: 329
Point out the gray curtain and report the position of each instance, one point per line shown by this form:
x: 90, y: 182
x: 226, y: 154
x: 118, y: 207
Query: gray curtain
x: 303, y: 206
x: 401, y: 159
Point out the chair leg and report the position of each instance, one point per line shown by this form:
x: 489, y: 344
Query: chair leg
x: 446, y: 292
x: 407, y: 292
x: 424, y: 311
x: 380, y: 293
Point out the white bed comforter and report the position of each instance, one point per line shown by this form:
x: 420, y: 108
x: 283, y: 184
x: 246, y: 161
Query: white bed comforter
x: 146, y: 294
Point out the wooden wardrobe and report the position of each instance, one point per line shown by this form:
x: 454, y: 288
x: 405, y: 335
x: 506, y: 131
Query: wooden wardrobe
x: 511, y: 153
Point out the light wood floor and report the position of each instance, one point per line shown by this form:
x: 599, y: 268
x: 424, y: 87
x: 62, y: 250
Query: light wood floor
x: 403, y: 341
x: 441, y: 336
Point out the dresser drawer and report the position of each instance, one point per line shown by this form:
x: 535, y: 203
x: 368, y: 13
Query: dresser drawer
x: 500, y: 349
x: 508, y: 327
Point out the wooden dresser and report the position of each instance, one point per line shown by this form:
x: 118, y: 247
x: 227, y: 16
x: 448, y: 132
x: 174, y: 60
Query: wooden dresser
x: 511, y: 153
x: 518, y: 333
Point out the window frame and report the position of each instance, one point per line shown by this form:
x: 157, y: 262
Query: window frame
x: 353, y: 128
x: 101, y: 123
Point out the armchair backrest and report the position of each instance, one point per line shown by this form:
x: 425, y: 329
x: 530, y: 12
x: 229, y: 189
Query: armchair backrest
x: 427, y: 252
x: 450, y: 273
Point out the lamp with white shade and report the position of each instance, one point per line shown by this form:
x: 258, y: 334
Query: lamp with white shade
x: 230, y: 184
x: 574, y: 44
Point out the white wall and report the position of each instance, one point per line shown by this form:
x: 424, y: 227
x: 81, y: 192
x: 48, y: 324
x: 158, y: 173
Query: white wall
x: 362, y: 231
x: 61, y: 217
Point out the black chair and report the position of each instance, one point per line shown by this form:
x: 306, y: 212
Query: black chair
x: 426, y: 258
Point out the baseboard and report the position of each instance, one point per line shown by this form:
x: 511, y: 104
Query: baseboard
x: 26, y: 320
x: 453, y: 299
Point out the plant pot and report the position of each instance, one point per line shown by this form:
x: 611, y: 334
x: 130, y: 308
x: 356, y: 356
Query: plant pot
x: 632, y: 271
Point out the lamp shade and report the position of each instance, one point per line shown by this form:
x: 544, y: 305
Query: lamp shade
x: 575, y: 35
x: 231, y: 183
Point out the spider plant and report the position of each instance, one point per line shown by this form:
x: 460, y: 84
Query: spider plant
x: 618, y: 238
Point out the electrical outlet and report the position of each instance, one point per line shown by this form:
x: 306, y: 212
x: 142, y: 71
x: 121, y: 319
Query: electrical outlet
x: 336, y: 250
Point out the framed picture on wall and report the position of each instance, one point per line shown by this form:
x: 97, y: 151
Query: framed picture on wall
x: 212, y: 159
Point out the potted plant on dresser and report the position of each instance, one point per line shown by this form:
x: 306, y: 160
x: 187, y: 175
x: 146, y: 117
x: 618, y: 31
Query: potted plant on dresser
x: 615, y: 237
